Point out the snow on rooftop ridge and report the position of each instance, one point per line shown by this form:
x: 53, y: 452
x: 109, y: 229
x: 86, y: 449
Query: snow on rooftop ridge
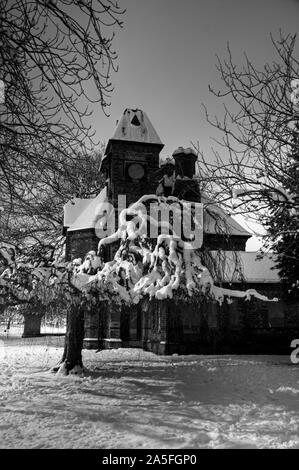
x: 187, y: 151
x: 135, y: 126
x: 167, y: 161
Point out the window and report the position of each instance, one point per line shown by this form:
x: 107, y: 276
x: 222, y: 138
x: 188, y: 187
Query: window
x: 135, y: 121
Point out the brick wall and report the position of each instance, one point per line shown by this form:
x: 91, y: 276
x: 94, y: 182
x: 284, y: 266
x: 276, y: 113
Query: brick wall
x: 239, y: 327
x: 79, y: 243
x: 119, y: 155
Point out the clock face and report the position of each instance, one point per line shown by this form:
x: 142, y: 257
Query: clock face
x: 136, y: 171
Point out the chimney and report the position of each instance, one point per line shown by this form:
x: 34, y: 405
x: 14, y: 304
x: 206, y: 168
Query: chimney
x: 185, y: 162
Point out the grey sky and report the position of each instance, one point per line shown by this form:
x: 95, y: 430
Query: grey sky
x: 167, y: 59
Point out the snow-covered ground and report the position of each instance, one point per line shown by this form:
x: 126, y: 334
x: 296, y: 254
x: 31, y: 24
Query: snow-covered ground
x: 134, y: 399
x: 17, y: 330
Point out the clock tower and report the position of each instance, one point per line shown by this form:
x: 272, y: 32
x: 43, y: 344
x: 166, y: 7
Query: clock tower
x: 131, y: 161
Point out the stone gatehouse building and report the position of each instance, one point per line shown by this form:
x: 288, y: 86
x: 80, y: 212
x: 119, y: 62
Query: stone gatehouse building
x: 131, y: 166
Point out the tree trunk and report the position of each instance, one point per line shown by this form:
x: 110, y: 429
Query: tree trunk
x: 32, y: 324
x: 71, y: 361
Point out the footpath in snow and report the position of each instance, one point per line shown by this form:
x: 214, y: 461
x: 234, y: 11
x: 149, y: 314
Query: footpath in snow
x: 134, y: 399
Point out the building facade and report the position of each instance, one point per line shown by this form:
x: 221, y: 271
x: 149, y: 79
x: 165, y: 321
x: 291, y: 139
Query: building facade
x: 131, y: 167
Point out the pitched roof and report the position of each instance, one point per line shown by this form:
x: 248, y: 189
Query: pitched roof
x: 222, y: 222
x: 87, y: 212
x: 134, y: 125
x: 72, y: 209
x: 250, y: 268
x: 80, y: 214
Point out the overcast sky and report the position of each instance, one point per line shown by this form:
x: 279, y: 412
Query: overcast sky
x: 167, y: 55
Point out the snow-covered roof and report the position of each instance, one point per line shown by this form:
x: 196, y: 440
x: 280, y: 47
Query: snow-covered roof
x: 72, y: 209
x: 167, y: 161
x: 80, y: 214
x: 225, y: 225
x: 134, y: 125
x: 222, y: 222
x: 88, y: 216
x: 253, y: 269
